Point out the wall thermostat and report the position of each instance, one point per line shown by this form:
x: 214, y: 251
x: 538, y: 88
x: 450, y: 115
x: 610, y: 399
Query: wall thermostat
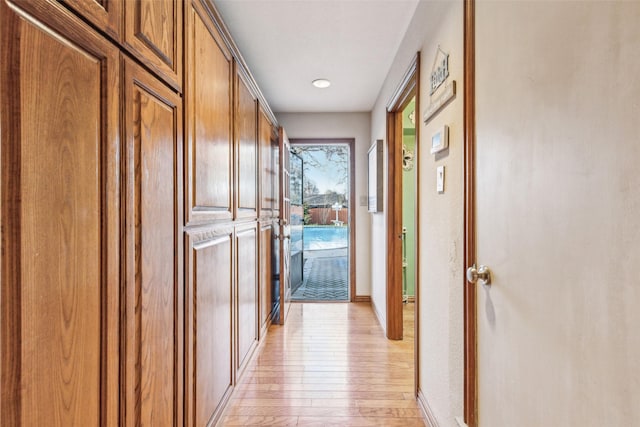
x: 440, y: 139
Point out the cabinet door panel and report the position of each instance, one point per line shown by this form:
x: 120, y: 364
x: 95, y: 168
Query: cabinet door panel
x: 265, y: 275
x: 153, y: 32
x: 266, y: 165
x: 209, y: 124
x: 247, y: 293
x: 246, y: 150
x: 276, y: 173
x: 104, y: 14
x: 153, y: 316
x: 209, y: 327
x: 60, y: 221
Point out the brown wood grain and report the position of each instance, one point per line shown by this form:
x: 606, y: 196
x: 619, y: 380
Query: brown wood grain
x: 406, y: 91
x: 394, y: 224
x: 267, y: 165
x: 209, y: 123
x: 246, y: 122
x: 60, y: 220
x: 470, y: 310
x: 276, y: 171
x: 104, y: 14
x: 416, y: 329
x: 246, y: 293
x: 153, y: 296
x: 265, y: 273
x: 153, y: 33
x: 330, y: 364
x: 209, y: 325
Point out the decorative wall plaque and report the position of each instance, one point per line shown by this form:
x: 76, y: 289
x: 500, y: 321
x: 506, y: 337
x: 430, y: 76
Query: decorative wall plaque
x: 440, y: 70
x: 439, y: 75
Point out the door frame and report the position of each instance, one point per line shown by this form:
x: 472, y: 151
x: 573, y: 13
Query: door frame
x: 284, y: 216
x: 470, y: 309
x: 351, y: 143
x: 408, y: 88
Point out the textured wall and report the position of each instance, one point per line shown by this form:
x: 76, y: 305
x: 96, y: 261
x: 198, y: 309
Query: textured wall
x: 441, y: 215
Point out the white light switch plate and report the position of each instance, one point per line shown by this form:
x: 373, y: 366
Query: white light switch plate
x: 440, y: 179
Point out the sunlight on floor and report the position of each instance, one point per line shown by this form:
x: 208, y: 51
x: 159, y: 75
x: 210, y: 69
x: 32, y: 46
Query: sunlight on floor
x: 329, y: 366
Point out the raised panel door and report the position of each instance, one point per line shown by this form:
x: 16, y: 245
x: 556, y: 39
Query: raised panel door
x: 60, y: 220
x: 209, y: 354
x: 153, y: 32
x: 265, y: 273
x: 265, y: 130
x: 104, y: 14
x: 247, y: 292
x: 153, y: 295
x: 209, y: 155
x: 276, y: 172
x: 246, y: 150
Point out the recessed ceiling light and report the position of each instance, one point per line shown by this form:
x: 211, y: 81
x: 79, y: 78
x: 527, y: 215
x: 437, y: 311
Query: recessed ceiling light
x: 321, y: 83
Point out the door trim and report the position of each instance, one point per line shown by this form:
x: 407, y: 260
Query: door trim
x: 351, y: 143
x: 408, y: 88
x: 284, y: 203
x: 470, y: 310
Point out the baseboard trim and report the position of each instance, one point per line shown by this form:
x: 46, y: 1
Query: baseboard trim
x: 377, y: 313
x: 426, y: 410
x: 461, y: 422
x: 362, y: 298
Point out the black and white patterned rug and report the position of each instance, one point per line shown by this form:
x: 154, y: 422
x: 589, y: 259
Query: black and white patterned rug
x: 324, y: 279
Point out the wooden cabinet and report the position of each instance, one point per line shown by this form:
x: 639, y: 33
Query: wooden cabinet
x: 135, y: 277
x: 150, y: 29
x: 153, y: 298
x: 266, y: 275
x: 276, y: 173
x: 209, y: 324
x: 267, y: 164
x: 153, y: 33
x: 245, y: 119
x: 246, y: 292
x: 209, y: 123
x: 104, y: 14
x: 60, y: 159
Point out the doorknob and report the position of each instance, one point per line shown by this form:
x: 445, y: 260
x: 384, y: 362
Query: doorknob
x: 482, y: 274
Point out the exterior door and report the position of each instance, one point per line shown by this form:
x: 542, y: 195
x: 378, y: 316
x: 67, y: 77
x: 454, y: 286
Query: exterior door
x: 285, y: 226
x: 557, y: 214
x: 297, y: 221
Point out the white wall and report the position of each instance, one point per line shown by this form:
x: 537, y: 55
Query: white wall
x: 558, y: 145
x: 441, y: 215
x: 343, y: 125
x: 558, y: 87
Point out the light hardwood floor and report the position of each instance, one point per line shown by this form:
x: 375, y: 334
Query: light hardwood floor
x: 329, y: 366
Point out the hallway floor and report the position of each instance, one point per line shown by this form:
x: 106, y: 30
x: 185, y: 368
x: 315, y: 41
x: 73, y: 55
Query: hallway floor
x: 329, y: 366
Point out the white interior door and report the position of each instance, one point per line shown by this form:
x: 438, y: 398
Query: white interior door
x: 558, y: 213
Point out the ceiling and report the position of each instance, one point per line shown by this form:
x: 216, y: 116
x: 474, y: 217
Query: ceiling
x: 289, y: 43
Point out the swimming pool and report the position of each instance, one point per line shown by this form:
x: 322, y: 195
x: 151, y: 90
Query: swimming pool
x: 325, y: 238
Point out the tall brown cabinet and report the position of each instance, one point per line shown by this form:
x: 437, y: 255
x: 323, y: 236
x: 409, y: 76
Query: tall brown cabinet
x: 137, y: 205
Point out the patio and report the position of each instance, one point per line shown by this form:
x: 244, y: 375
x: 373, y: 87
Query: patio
x: 325, y: 276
